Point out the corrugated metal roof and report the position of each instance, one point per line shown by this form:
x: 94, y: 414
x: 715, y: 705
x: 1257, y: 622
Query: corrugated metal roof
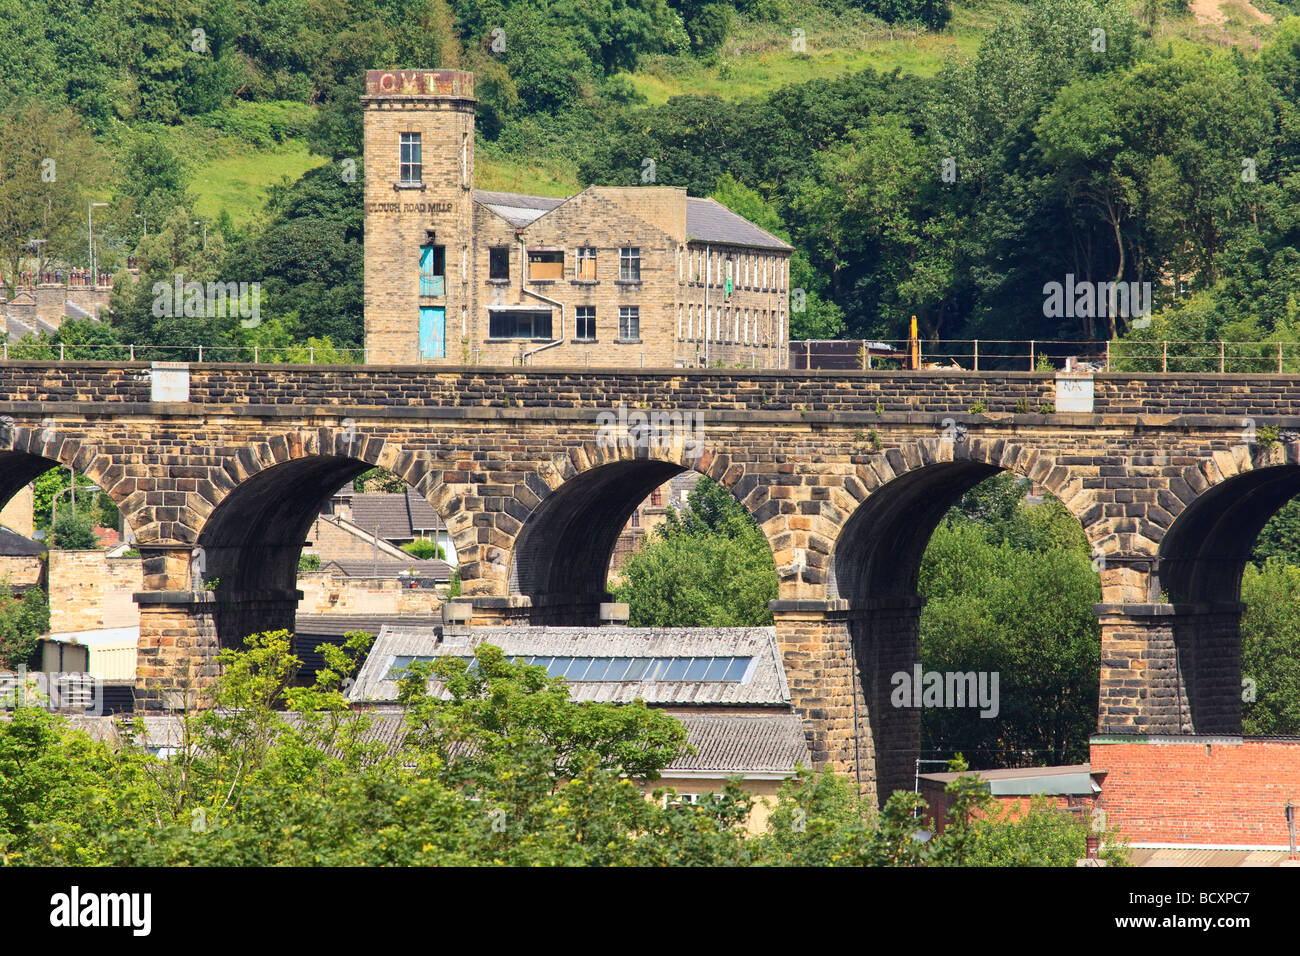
x: 734, y: 743
x: 725, y: 743
x: 338, y: 624
x: 765, y: 684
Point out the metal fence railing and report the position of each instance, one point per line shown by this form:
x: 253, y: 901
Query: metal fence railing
x: 1141, y: 355
x: 979, y: 355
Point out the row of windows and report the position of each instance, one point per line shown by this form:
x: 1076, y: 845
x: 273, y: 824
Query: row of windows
x: 546, y: 264
x: 745, y: 270
x: 536, y: 323
x: 725, y: 324
x: 728, y: 670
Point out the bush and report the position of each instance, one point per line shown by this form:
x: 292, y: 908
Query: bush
x: 309, y: 562
x: 425, y: 550
x: 263, y: 124
x: 22, y: 622
x: 73, y: 532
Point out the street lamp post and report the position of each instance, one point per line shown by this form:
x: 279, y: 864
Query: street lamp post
x: 205, y: 233
x: 90, y: 238
x: 36, y: 244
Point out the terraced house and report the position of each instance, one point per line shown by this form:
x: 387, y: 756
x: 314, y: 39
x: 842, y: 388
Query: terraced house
x: 641, y: 276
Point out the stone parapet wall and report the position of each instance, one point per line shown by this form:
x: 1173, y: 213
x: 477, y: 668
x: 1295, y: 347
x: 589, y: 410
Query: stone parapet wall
x: 325, y: 593
x: 90, y: 591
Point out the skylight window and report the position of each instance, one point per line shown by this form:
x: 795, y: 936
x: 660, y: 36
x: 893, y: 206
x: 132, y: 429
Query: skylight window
x: 728, y: 670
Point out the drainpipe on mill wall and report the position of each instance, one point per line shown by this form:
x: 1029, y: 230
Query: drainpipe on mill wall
x: 523, y: 287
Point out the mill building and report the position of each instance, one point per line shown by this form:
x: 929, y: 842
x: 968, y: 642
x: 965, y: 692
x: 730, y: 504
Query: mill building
x: 641, y: 276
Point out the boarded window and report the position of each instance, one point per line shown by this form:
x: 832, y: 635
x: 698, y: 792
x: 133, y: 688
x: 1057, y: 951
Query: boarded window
x: 546, y: 265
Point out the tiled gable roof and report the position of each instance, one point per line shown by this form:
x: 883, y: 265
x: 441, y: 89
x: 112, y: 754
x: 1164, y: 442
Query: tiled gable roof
x: 706, y: 219
x: 398, y: 516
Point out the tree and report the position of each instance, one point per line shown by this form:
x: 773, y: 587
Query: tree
x: 811, y: 315
x: 23, y: 620
x: 425, y: 550
x: 709, y: 566
x: 1012, y: 595
x: 933, y: 14
x: 73, y: 532
x: 1270, y: 648
x: 50, y: 165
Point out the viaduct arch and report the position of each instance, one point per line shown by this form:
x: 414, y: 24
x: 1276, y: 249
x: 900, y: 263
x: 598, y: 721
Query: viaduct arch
x: 847, y: 475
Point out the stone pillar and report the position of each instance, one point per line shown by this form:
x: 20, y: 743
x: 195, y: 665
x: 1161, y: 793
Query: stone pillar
x: 838, y: 664
x: 1170, y: 668
x: 497, y: 611
x: 567, y: 610
x: 825, y: 689
x: 178, y: 646
x: 183, y: 626
x: 887, y: 641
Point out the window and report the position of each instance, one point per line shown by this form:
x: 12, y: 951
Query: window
x: 656, y: 498
x: 586, y: 322
x: 433, y: 270
x: 546, y: 265
x: 629, y: 264
x: 523, y: 324
x: 586, y: 267
x: 464, y: 160
x: 499, y: 262
x: 411, y: 165
x: 629, y: 322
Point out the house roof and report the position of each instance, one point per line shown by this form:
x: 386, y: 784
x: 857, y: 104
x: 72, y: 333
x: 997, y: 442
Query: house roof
x: 517, y: 208
x: 725, y: 743
x: 1075, y: 779
x: 736, y: 743
x: 399, y: 516
x: 385, y: 567
x: 763, y: 683
x: 15, y: 330
x: 707, y: 220
x: 14, y: 545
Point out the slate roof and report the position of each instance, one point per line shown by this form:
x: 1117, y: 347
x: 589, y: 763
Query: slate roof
x: 15, y: 330
x: 706, y: 219
x: 399, y: 516
x: 764, y: 685
x: 340, y: 624
x: 15, y: 545
x: 386, y: 567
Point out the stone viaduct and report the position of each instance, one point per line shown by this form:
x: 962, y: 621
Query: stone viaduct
x: 847, y: 473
